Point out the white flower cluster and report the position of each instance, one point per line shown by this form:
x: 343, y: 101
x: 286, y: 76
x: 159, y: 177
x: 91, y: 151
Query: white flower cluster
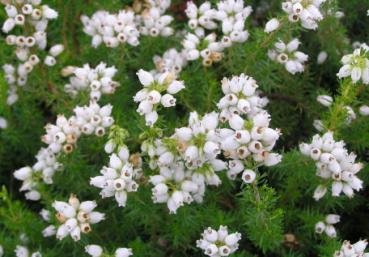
x: 240, y: 98
x: 306, y: 11
x: 94, y: 119
x: 187, y: 162
x: 97, y: 251
x: 118, y: 179
x: 62, y: 137
x: 231, y: 16
x: 327, y: 225
x: 44, y: 169
x: 334, y: 165
x: 31, y: 16
x: 22, y: 251
x: 172, y: 62
x: 189, y: 159
x: 158, y: 90
x: 126, y: 26
x: 356, y: 65
x: 174, y: 186
x: 249, y: 142
x: 111, y: 29
x: 249, y: 136
x: 153, y: 22
x: 288, y: 55
x: 97, y: 81
x: 75, y: 218
x: 216, y: 243
x: 352, y: 250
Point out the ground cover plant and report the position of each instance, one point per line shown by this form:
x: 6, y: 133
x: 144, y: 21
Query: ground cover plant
x: 184, y: 128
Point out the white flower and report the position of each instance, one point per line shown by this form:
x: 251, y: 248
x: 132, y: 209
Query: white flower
x: 325, y: 100
x: 327, y: 225
x: 112, y: 29
x: 218, y: 243
x: 94, y: 250
x: 356, y: 65
x: 154, y: 23
x: 194, y: 49
x: 364, y: 110
x: 32, y: 20
x: 123, y: 252
x: 158, y: 89
x: 271, y: 25
x: 348, y: 249
x: 49, y: 231
x: 307, y: 12
x: 322, y: 57
x: 118, y: 179
x: 334, y: 165
x: 97, y: 81
x: 288, y: 55
x: 21, y: 251
x: 172, y: 61
x: 75, y: 217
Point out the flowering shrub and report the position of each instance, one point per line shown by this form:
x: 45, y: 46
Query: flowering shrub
x: 184, y: 128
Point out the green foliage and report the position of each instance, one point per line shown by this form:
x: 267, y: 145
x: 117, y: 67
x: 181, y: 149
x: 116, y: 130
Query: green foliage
x: 263, y: 221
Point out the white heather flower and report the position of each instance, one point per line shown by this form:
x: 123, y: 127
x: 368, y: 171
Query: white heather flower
x: 63, y: 135
x: 118, y: 179
x: 173, y: 186
x: 94, y: 119
x: 307, y: 12
x: 94, y: 250
x: 154, y: 23
x: 240, y: 97
x: 364, y: 110
x: 97, y: 81
x: 22, y: 251
x: 29, y: 182
x: 233, y: 15
x: 151, y: 96
x: 187, y: 162
x: 322, y: 57
x: 349, y: 250
x: 3, y: 123
x: 318, y: 125
x: 31, y: 39
x: 271, y: 25
x: 198, y: 46
x: 49, y: 231
x: 350, y: 114
x: 123, y: 252
x: 325, y: 100
x: 327, y: 225
x: 203, y: 16
x: 172, y: 61
x: 218, y: 242
x: 76, y: 217
x: 248, y: 176
x: 1, y: 251
x: 288, y: 55
x: 334, y: 164
x: 251, y: 141
x: 356, y: 65
x: 112, y: 29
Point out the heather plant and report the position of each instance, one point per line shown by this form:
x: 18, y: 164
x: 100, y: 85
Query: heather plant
x: 184, y: 128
